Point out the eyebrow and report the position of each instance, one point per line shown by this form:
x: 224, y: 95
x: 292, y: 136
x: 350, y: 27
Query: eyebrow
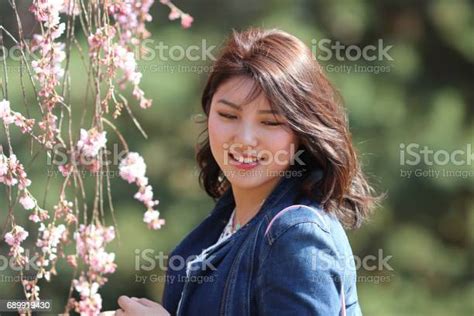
x: 239, y: 108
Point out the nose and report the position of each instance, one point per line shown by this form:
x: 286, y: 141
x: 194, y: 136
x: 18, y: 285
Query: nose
x: 246, y: 136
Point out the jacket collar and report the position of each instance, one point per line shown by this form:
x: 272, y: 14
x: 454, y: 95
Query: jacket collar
x: 285, y: 193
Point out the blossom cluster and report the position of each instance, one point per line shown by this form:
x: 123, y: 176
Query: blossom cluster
x: 47, y: 68
x: 14, y: 238
x: 117, y: 56
x: 64, y: 210
x: 131, y: 17
x: 86, y: 151
x: 91, y: 142
x: 114, y: 30
x: 176, y: 13
x: 31, y: 289
x: 90, y: 244
x: 12, y: 172
x: 29, y: 203
x: 90, y: 247
x: 91, y: 301
x: 133, y: 169
x: 49, y: 239
x: 9, y: 117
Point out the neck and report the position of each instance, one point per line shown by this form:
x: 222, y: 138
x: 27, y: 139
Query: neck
x: 249, y: 200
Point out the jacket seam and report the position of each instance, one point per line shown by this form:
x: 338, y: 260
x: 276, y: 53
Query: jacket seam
x: 283, y: 232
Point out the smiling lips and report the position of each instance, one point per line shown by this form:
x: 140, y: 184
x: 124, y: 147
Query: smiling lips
x: 244, y: 162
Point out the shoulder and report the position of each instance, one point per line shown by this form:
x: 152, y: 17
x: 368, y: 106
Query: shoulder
x: 295, y: 216
x: 303, y: 225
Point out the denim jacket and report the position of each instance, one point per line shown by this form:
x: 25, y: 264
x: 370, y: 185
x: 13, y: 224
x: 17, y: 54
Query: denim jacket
x: 291, y: 258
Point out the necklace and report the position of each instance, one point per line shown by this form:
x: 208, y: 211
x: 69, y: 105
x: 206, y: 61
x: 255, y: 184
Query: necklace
x: 237, y: 225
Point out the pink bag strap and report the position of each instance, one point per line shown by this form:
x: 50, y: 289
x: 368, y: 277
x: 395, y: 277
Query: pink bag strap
x: 287, y: 209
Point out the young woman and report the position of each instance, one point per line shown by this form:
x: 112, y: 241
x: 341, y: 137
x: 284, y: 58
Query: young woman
x: 278, y: 159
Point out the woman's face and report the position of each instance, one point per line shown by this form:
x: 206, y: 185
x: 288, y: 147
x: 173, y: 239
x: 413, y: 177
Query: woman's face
x: 252, y: 145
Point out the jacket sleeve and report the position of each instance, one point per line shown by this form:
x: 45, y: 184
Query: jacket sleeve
x: 300, y: 274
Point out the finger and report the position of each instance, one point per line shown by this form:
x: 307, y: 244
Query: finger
x: 139, y: 300
x: 147, y: 302
x: 126, y: 303
x: 119, y: 312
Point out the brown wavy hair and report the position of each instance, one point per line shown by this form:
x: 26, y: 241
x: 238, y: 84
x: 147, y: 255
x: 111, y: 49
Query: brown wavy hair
x: 283, y: 68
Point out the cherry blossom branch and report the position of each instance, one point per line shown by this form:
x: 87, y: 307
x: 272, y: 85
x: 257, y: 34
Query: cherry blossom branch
x: 113, y: 29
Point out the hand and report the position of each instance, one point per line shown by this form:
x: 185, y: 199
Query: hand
x: 138, y: 307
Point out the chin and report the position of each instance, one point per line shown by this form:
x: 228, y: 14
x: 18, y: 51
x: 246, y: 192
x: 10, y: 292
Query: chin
x: 250, y: 182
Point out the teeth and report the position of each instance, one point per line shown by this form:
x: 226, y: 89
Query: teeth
x: 245, y: 160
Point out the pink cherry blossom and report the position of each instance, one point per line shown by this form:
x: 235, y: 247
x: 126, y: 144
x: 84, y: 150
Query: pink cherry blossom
x: 145, y: 195
x: 125, y: 60
x: 27, y: 201
x: 49, y: 240
x: 71, y: 7
x: 151, y: 217
x: 132, y: 167
x: 131, y: 19
x: 4, y: 108
x: 65, y: 169
x: 91, y: 142
x: 111, y: 61
x: 9, y: 117
x: 174, y: 14
x: 47, y: 11
x: 90, y: 243
x: 64, y: 210
x: 31, y: 289
x: 3, y: 167
x: 48, y: 69
x: 186, y: 20
x: 14, y: 238
x: 91, y: 301
x: 39, y: 215
x: 12, y: 172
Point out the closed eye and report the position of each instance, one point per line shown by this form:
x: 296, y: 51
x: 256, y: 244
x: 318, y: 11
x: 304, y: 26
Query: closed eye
x: 227, y: 116
x: 268, y: 123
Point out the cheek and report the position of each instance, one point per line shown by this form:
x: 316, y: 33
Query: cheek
x: 217, y: 135
x: 280, y: 140
x: 282, y: 146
